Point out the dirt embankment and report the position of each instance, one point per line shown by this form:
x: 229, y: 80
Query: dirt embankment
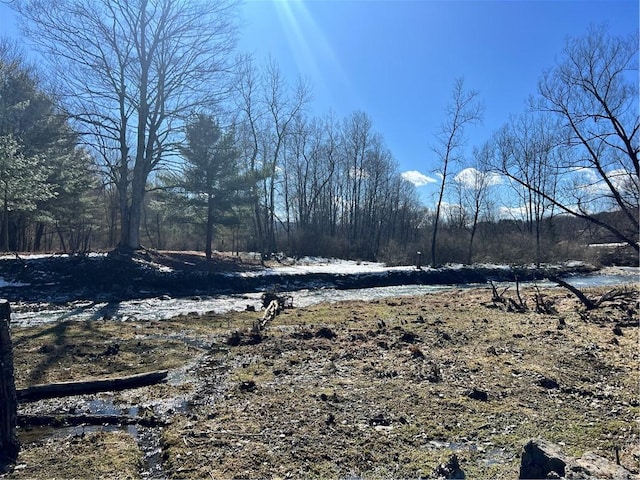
x: 384, y: 389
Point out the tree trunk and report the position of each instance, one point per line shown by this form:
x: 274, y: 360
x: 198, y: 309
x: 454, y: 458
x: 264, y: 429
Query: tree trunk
x: 434, y: 237
x: 65, y: 389
x: 123, y: 205
x: 8, y: 403
x: 471, y: 238
x: 37, y: 242
x: 5, y: 217
x: 209, y: 239
x: 135, y: 210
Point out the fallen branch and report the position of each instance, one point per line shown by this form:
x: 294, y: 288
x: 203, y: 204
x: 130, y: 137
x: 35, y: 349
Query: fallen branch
x: 498, y: 297
x: 273, y: 304
x: 589, y: 304
x: 270, y: 313
x: 509, y: 304
x: 543, y: 305
x: 85, y: 419
x: 522, y: 305
x: 616, y: 294
x: 66, y: 389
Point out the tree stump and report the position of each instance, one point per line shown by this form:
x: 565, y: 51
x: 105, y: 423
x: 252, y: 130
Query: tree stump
x: 8, y: 403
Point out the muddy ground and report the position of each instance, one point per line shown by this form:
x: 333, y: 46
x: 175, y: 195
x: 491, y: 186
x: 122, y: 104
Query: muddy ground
x: 384, y: 389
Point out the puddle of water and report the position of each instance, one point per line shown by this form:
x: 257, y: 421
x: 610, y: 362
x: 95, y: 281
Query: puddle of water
x: 147, y: 438
x: 488, y: 457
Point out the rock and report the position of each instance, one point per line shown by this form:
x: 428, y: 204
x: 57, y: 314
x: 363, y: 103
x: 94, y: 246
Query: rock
x: 476, y: 394
x: 416, y: 352
x: 237, y: 338
x: 379, y: 420
x: 248, y: 386
x: 435, y: 376
x: 540, y: 458
x: 544, y: 460
x: 592, y: 466
x: 409, y: 337
x: 112, y: 349
x: 548, y: 383
x: 325, y: 332
x: 443, y: 336
x: 302, y: 335
x: 449, y: 470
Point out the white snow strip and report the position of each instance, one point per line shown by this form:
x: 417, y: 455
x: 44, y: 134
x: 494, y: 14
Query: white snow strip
x: 4, y: 283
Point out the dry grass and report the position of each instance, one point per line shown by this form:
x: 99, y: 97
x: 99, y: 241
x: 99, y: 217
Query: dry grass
x: 401, y: 385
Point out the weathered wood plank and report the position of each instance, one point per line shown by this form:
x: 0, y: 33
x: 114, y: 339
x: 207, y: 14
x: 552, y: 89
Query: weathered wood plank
x: 66, y: 389
x: 87, y: 419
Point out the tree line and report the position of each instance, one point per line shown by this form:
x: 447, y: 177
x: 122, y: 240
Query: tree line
x: 156, y: 133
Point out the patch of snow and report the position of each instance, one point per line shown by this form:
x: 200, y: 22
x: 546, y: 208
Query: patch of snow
x: 502, y: 266
x: 40, y: 256
x: 607, y: 245
x: 31, y: 256
x: 4, y: 283
x: 315, y: 265
x: 154, y: 265
x: 455, y: 266
x: 575, y: 263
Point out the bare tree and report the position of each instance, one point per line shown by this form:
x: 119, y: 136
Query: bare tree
x: 311, y: 169
x: 593, y: 90
x: 526, y: 154
x: 357, y: 135
x: 131, y: 72
x: 282, y: 108
x: 473, y: 183
x: 249, y: 121
x: 463, y: 109
x: 268, y: 108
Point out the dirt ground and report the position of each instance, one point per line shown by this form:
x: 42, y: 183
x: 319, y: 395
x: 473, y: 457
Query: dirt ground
x: 383, y: 389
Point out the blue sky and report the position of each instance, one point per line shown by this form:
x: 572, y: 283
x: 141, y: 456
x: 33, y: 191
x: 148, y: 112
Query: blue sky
x: 397, y: 60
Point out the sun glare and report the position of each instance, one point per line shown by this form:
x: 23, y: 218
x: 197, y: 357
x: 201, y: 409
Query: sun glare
x: 314, y: 56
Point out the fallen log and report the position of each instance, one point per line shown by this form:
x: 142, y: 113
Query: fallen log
x: 58, y: 421
x: 66, y: 389
x: 588, y: 303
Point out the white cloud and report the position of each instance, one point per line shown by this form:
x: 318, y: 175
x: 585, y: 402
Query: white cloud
x: 592, y: 183
x: 471, y: 178
x: 417, y: 178
x: 512, y: 213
